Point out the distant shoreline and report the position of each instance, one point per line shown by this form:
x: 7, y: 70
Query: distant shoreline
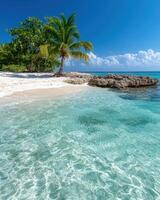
x: 120, y: 71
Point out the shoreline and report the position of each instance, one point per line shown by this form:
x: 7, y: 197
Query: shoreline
x: 41, y: 94
x: 29, y: 87
x: 17, y: 85
x: 14, y: 83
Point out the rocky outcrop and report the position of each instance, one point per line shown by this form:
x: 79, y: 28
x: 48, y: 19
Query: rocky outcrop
x: 76, y: 81
x: 75, y: 75
x: 122, y: 81
x: 109, y: 81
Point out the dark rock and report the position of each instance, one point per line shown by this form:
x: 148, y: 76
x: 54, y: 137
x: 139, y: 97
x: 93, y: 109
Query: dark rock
x: 76, y: 81
x: 122, y: 81
x: 74, y: 75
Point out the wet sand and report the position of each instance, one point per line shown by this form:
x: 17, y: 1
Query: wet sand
x: 40, y: 94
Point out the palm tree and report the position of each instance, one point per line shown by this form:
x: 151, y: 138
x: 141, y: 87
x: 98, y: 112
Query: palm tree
x: 65, y: 39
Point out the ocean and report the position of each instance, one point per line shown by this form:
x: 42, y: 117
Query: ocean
x: 99, y: 144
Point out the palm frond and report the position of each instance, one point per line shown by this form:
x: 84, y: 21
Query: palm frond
x: 79, y: 55
x: 66, y: 39
x: 71, y: 19
x: 71, y: 32
x: 87, y: 46
x: 63, y: 18
x: 76, y: 35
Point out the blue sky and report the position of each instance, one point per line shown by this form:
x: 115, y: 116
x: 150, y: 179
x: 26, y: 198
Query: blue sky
x: 115, y: 27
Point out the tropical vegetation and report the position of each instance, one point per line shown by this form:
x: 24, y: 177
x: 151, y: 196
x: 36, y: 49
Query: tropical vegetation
x: 39, y: 46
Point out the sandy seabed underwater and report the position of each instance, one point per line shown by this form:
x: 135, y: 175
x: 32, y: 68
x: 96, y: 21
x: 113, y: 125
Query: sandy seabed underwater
x: 97, y: 144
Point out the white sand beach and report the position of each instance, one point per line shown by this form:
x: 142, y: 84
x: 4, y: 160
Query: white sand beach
x: 11, y: 83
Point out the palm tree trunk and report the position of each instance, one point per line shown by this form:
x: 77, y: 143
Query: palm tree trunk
x: 61, y: 66
x: 30, y: 66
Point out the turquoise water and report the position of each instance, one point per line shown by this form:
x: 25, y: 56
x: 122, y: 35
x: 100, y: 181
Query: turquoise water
x: 151, y: 74
x: 97, y: 144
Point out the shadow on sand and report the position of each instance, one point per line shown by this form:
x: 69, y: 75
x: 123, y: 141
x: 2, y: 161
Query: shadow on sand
x: 26, y: 75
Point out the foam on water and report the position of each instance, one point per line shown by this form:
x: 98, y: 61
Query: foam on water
x: 99, y: 144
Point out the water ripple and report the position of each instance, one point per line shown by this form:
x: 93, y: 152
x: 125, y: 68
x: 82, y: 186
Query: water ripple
x: 93, y: 146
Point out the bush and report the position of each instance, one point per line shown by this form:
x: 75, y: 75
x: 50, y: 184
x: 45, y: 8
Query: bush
x: 13, y: 68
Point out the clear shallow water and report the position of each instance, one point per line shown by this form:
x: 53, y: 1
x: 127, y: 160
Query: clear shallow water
x: 99, y: 144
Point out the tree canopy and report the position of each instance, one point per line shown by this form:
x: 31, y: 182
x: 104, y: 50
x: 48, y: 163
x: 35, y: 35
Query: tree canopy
x: 44, y: 45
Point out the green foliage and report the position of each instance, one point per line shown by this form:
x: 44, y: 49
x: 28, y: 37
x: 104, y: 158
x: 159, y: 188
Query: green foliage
x: 65, y: 39
x: 5, y: 54
x: 26, y: 40
x: 13, y: 68
x: 43, y: 46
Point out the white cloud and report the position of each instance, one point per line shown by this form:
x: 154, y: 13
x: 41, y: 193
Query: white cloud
x: 141, y: 59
